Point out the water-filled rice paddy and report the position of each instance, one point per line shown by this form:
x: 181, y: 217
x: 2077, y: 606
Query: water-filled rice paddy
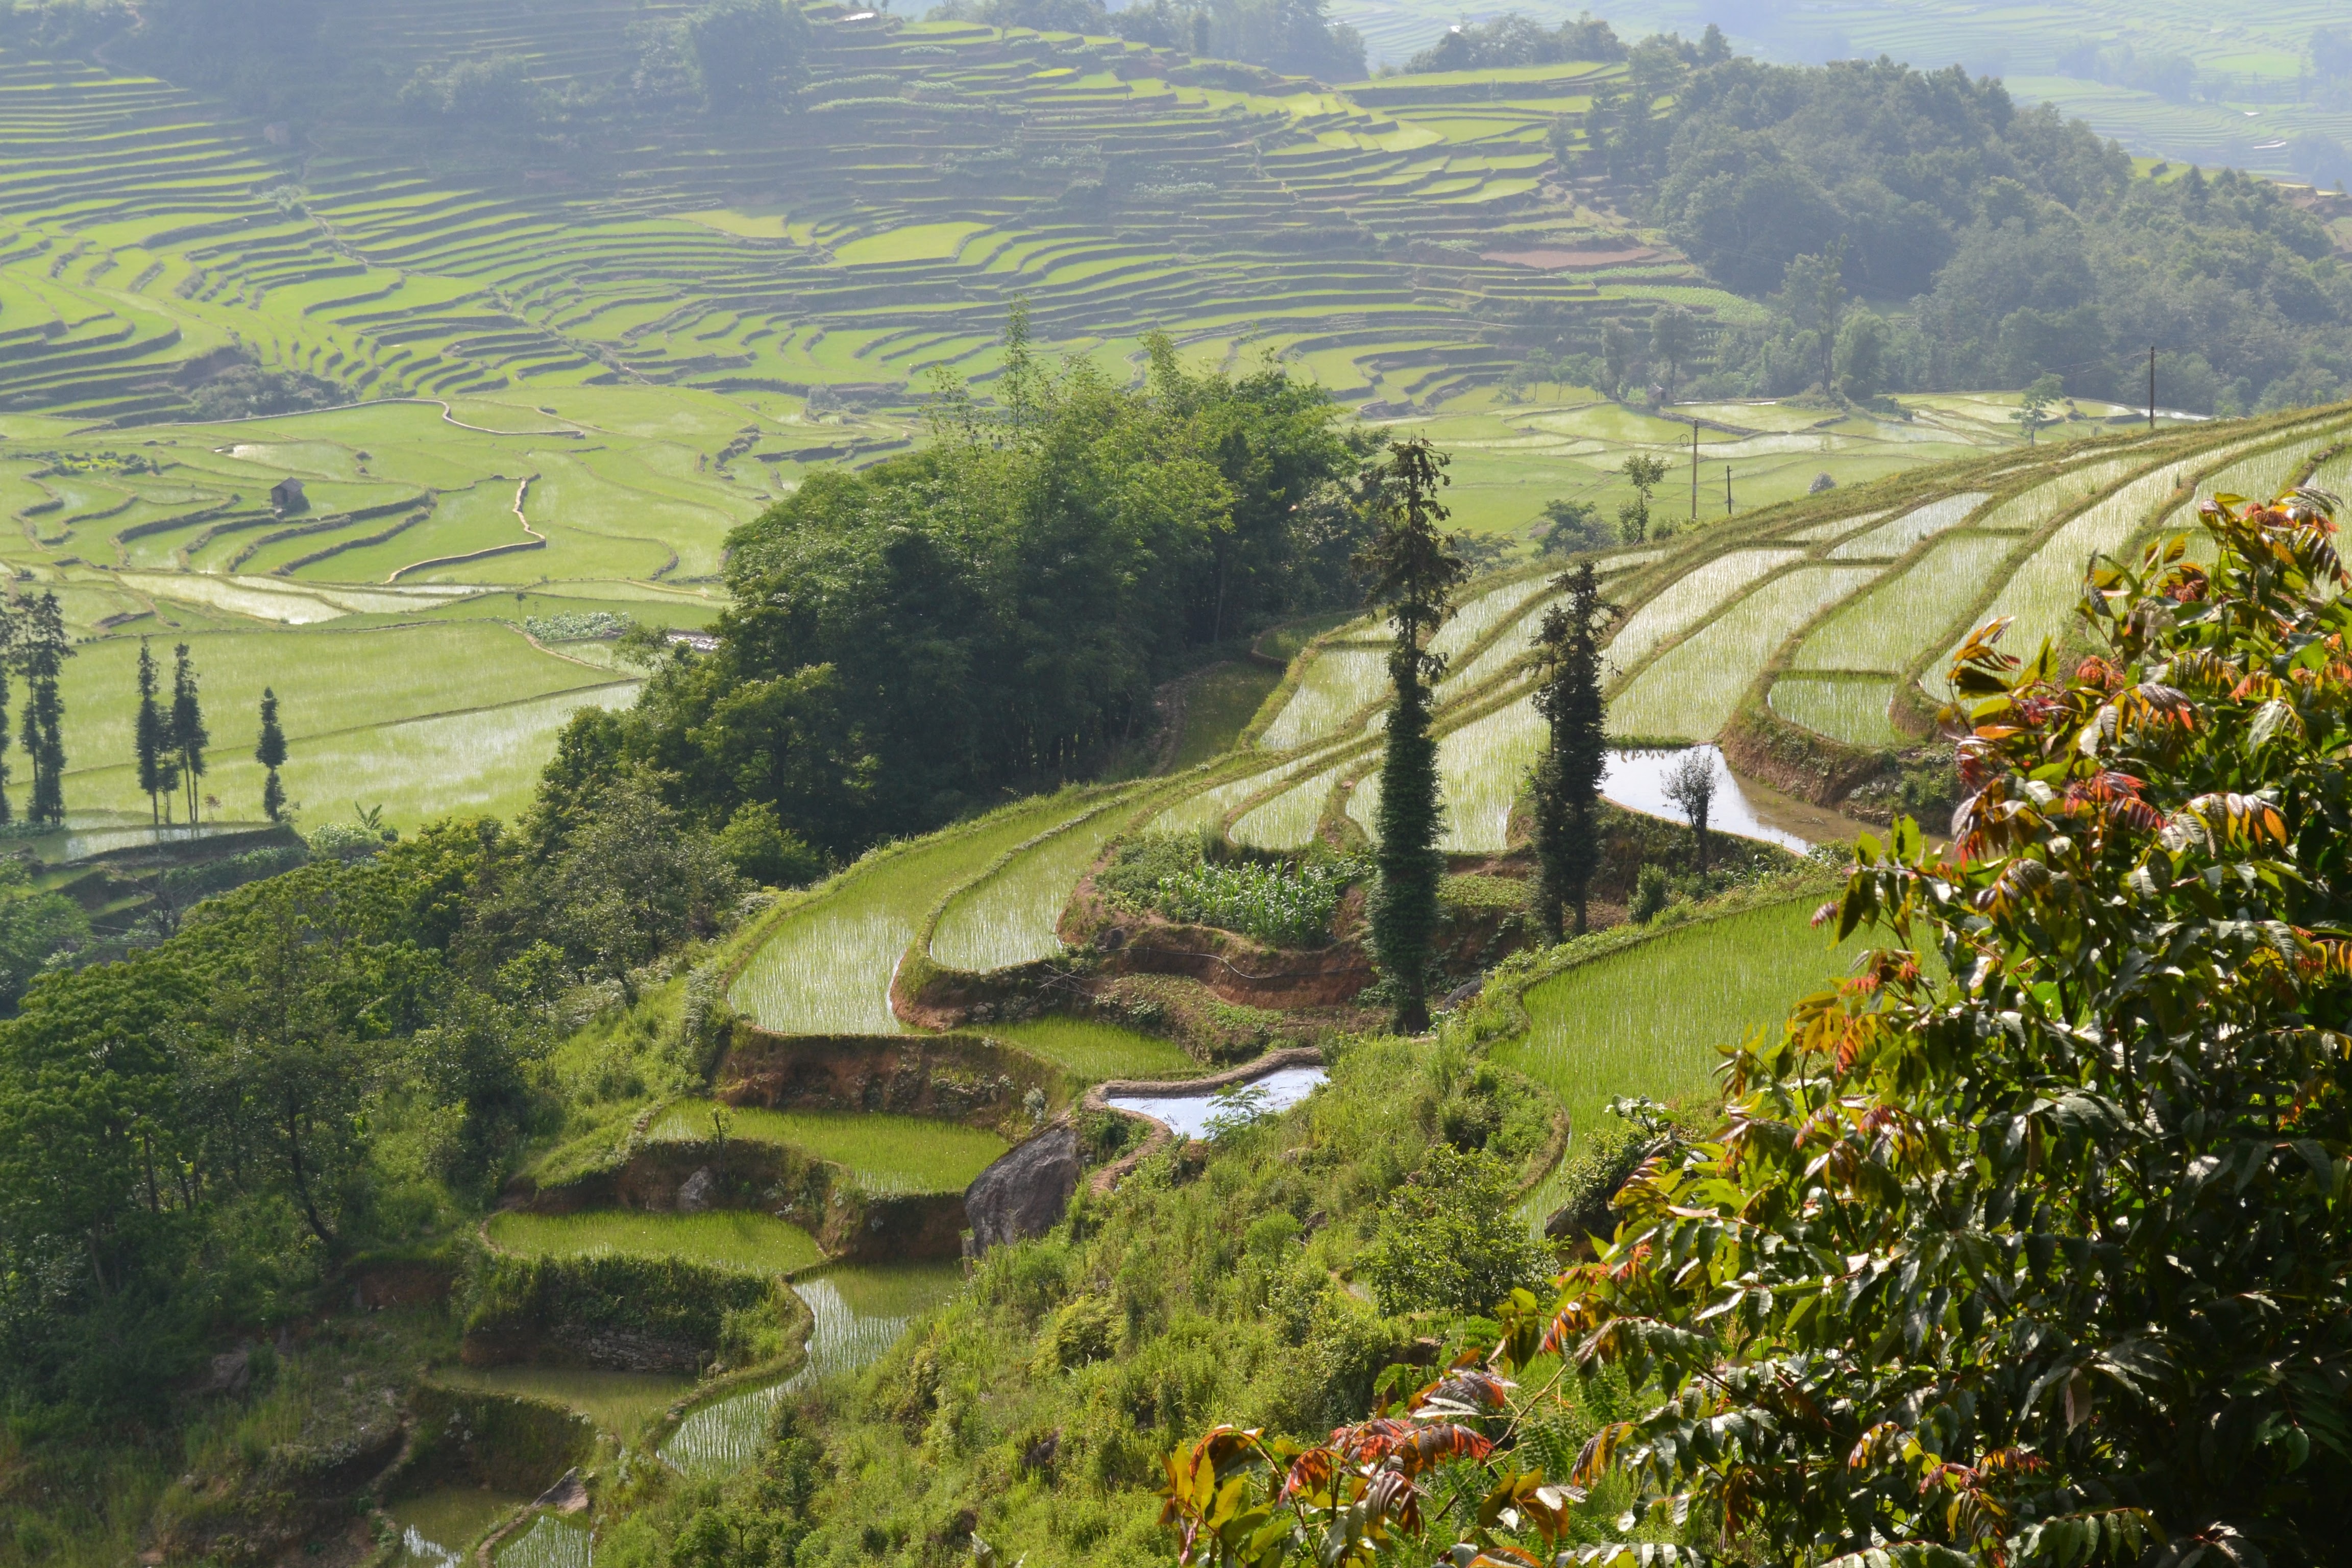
x: 1336, y: 683
x: 1690, y: 599
x: 887, y: 1154
x: 1009, y: 916
x: 1650, y: 1020
x: 826, y: 968
x: 1190, y: 1114
x: 621, y: 1404
x: 1844, y: 707
x: 1896, y: 537
x: 439, y: 1528
x: 1289, y: 820
x: 860, y: 1309
x: 551, y: 1540
x: 1482, y: 769
x: 1090, y: 1050
x: 1482, y: 614
x: 1690, y: 692
x: 1636, y: 780
x: 724, y: 1238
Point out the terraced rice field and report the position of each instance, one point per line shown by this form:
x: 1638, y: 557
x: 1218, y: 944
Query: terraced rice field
x: 859, y: 1311
x: 622, y: 1404
x: 755, y: 1243
x: 439, y: 1528
x: 1336, y: 686
x: 1009, y: 916
x: 826, y: 968
x: 549, y: 1540
x: 1690, y: 691
x: 885, y: 1154
x: 1653, y: 1018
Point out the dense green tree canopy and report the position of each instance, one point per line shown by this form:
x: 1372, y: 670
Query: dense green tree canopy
x: 993, y: 612
x: 2006, y: 240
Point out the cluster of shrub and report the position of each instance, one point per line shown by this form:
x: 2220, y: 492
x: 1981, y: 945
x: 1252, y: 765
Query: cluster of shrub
x: 910, y: 641
x: 1194, y: 878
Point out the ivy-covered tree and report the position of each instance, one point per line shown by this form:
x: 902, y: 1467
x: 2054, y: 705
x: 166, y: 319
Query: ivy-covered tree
x: 150, y: 740
x: 1412, y: 569
x: 1567, y: 777
x: 2034, y: 1254
x: 271, y: 752
x: 42, y: 649
x: 187, y: 734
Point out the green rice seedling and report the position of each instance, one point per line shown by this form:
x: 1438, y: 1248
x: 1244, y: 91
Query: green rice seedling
x: 1336, y: 683
x: 2042, y: 594
x: 826, y: 968
x: 551, y: 1540
x: 2031, y: 509
x: 723, y: 1238
x: 1010, y: 916
x: 887, y: 1154
x: 1691, y: 692
x: 1482, y: 771
x: 1896, y: 538
x: 862, y: 1309
x: 1853, y: 708
x: 1890, y: 624
x: 621, y: 1404
x: 485, y: 762
x: 1289, y: 820
x: 859, y: 1311
x: 1652, y: 1019
x: 1690, y: 599
x: 1090, y: 1050
x: 1479, y: 616
x: 1207, y: 808
x: 1836, y: 527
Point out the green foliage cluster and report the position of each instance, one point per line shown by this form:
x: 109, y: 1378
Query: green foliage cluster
x: 1511, y: 39
x: 2003, y: 242
x: 1286, y: 903
x: 578, y: 626
x: 995, y: 612
x: 1295, y: 37
x: 1451, y: 1240
x: 343, y: 1056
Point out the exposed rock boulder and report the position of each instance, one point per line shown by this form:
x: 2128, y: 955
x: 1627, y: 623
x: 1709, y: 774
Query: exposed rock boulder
x: 695, y: 1193
x: 1024, y: 1193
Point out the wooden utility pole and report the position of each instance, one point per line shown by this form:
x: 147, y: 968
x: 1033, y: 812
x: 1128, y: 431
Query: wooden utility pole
x: 1694, y: 470
x: 2151, y: 389
x: 1726, y: 490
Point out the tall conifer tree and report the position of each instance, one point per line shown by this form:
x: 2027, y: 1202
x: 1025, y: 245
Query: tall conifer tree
x: 271, y: 754
x: 9, y: 629
x: 1567, y: 779
x: 41, y: 653
x: 189, y: 736
x: 1412, y: 569
x: 150, y: 738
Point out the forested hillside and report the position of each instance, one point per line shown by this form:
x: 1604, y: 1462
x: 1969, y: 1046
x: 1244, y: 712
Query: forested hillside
x: 1993, y: 241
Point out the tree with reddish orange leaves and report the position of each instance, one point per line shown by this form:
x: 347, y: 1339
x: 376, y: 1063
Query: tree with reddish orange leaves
x: 2032, y: 1242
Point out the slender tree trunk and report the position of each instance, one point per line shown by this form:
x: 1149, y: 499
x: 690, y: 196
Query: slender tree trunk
x: 302, y: 1179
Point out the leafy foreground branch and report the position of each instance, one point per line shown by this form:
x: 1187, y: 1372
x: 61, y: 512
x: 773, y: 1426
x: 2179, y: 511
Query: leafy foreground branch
x: 2044, y: 1263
